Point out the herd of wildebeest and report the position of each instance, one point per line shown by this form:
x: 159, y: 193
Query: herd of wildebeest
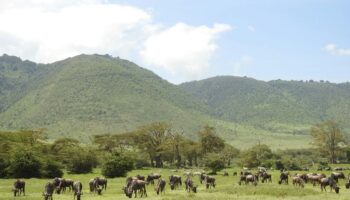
x: 137, y: 185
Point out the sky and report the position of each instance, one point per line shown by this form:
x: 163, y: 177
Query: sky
x: 183, y: 40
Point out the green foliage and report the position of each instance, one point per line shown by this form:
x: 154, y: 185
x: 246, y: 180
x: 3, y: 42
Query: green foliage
x: 51, y: 169
x: 214, y: 162
x: 3, y: 166
x: 81, y: 162
x: 258, y: 155
x: 117, y: 165
x: 24, y: 165
x: 210, y: 142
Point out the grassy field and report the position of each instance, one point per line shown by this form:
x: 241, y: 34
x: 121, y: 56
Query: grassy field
x: 227, y: 188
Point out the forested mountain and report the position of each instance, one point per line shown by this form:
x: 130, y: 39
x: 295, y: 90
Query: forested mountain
x: 90, y: 94
x: 97, y: 94
x: 269, y: 105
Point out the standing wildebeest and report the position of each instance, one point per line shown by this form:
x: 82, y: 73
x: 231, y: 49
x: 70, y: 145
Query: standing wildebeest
x: 78, y: 189
x: 61, y: 184
x: 283, y: 178
x: 225, y: 173
x: 338, y: 175
x: 209, y: 182
x: 152, y: 177
x: 331, y: 182
x: 234, y: 174
x: 48, y: 190
x: 190, y: 185
x: 251, y: 179
x: 265, y: 177
x: 140, y: 177
x: 297, y: 181
x: 102, y: 182
x: 19, y: 188
x: 160, y: 186
x: 347, y: 184
x: 133, y: 186
x: 174, y: 181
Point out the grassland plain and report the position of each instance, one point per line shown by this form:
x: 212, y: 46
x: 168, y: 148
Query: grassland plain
x: 227, y: 188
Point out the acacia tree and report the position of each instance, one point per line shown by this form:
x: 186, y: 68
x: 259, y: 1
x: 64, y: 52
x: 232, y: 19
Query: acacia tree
x: 210, y: 142
x: 327, y: 137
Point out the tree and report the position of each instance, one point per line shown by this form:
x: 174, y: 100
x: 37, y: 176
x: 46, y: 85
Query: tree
x: 81, y: 162
x: 214, y: 162
x: 51, y: 169
x: 327, y: 137
x: 229, y: 153
x: 210, y: 142
x: 25, y: 165
x: 258, y: 155
x: 117, y: 165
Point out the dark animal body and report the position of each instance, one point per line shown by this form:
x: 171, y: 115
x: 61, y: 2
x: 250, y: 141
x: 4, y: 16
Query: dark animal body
x: 175, y: 181
x: 133, y: 185
x: 283, y: 178
x: 330, y: 181
x: 160, y: 186
x: 48, y: 190
x: 78, y: 189
x: 190, y: 185
x: 19, y: 188
x: 152, y: 177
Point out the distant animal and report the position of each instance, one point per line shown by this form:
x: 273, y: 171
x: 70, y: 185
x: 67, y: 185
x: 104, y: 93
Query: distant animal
x: 302, y: 176
x: 242, y: 178
x: 202, y: 177
x: 152, y: 177
x: 160, y: 186
x: 283, y: 177
x: 102, y: 182
x: 61, y: 184
x: 95, y: 183
x: 190, y: 185
x: 338, y: 175
x: 78, y: 189
x: 266, y: 177
x: 175, y: 181
x: 188, y: 173
x: 48, y: 190
x: 329, y: 182
x: 19, y: 188
x: 209, y: 182
x: 297, y: 181
x: 140, y: 177
x: 251, y: 179
x: 225, y: 173
x: 347, y: 184
x: 234, y: 174
x: 246, y: 173
x: 315, y: 179
x: 135, y: 186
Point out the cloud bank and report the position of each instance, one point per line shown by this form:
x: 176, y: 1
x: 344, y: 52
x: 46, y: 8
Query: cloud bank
x: 334, y: 50
x: 50, y: 30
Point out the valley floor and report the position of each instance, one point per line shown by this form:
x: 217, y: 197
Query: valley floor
x: 227, y: 188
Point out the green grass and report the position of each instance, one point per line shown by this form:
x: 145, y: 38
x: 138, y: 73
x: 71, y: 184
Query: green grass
x: 227, y: 188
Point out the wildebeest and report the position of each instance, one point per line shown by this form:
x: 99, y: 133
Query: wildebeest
x: 302, y: 176
x: 48, y: 190
x: 297, y: 181
x: 140, y: 177
x: 174, y: 181
x: 95, y: 183
x: 265, y: 177
x: 135, y: 186
x: 19, y: 188
x: 202, y: 177
x: 78, y: 189
x: 225, y: 173
x: 102, y: 182
x: 347, y: 184
x: 251, y: 179
x: 338, y: 175
x: 331, y: 182
x: 242, y: 178
x: 283, y: 177
x: 189, y: 173
x: 209, y: 182
x: 190, y: 185
x: 315, y: 178
x: 160, y: 186
x: 234, y: 174
x: 152, y: 177
x: 246, y: 173
x: 61, y: 184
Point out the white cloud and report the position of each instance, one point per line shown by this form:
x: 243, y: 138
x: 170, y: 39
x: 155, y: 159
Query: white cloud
x: 50, y: 30
x: 183, y: 49
x: 243, y: 62
x: 47, y: 31
x: 334, y: 50
x: 251, y: 28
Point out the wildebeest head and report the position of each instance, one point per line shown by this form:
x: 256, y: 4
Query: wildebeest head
x: 99, y: 191
x: 194, y: 189
x: 347, y: 185
x: 336, y: 189
x: 15, y: 191
x: 128, y: 191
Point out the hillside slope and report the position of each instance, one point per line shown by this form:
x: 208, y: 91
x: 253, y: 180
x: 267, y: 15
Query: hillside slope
x: 274, y: 105
x: 93, y: 94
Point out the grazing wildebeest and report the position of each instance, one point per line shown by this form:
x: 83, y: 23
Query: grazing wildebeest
x: 234, y: 174
x: 331, y: 182
x: 297, y: 181
x: 101, y: 182
x: 338, y: 175
x: 315, y: 179
x: 188, y: 173
x: 61, y: 184
x: 251, y: 179
x: 48, y: 190
x: 283, y: 177
x: 202, y: 177
x: 209, y: 182
x: 243, y: 179
x: 174, y: 181
x: 347, y: 184
x: 134, y: 186
x: 266, y: 177
x: 140, y: 177
x: 190, y: 185
x: 152, y: 177
x: 78, y: 189
x: 225, y: 173
x: 69, y: 184
x: 19, y: 188
x: 302, y: 176
x: 160, y: 186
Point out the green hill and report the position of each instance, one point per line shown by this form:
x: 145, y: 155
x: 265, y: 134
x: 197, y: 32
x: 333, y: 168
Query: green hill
x: 274, y: 106
x: 90, y: 94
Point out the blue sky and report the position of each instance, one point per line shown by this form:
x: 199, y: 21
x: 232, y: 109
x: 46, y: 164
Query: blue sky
x: 266, y: 40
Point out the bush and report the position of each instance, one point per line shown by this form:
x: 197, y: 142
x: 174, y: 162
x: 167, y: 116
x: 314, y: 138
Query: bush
x: 81, y: 163
x: 24, y: 165
x: 117, y: 166
x: 214, y: 162
x: 51, y: 169
x: 3, y: 166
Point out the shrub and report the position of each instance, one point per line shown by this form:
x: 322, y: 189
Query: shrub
x: 3, y: 166
x: 24, y: 165
x: 214, y: 162
x: 117, y: 166
x: 51, y: 169
x: 81, y: 163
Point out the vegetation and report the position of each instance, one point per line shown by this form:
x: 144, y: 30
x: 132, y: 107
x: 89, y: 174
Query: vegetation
x: 117, y: 165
